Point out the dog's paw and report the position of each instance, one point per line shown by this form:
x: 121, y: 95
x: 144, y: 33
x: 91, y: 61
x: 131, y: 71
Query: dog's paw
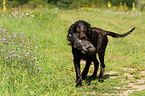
x: 93, y: 76
x: 101, y: 79
x: 79, y: 83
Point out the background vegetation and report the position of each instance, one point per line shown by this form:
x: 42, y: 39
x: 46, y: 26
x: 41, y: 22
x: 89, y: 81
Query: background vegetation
x: 71, y: 4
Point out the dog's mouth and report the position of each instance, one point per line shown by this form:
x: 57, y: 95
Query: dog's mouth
x: 83, y: 45
x: 82, y: 37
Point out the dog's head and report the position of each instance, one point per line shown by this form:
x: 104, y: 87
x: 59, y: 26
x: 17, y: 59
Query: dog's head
x: 81, y: 28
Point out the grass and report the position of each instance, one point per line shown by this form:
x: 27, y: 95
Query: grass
x: 52, y: 73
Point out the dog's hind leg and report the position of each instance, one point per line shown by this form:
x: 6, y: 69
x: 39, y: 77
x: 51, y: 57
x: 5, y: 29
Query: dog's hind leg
x: 102, y: 66
x: 96, y: 64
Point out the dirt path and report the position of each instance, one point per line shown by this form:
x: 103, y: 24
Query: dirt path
x: 140, y: 85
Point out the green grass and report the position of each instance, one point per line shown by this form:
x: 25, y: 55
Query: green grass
x: 57, y: 74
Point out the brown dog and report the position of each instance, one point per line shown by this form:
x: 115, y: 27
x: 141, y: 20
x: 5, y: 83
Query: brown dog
x: 98, y: 37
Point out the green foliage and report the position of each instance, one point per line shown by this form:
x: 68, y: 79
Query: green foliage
x: 72, y: 4
x: 36, y: 3
x: 141, y: 5
x: 117, y: 2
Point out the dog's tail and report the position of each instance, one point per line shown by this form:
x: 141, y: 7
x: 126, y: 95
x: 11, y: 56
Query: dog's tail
x: 119, y: 35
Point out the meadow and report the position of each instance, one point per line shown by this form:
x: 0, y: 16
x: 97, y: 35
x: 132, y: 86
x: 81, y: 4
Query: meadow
x: 36, y: 60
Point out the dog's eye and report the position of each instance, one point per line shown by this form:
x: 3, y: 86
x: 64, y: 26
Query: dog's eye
x: 85, y: 27
x: 78, y: 28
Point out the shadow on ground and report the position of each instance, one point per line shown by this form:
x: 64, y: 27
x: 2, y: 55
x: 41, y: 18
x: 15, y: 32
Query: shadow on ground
x: 89, y: 79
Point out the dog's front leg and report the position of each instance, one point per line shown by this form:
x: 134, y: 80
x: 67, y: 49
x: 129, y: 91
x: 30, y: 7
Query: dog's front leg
x: 78, y: 75
x: 86, y: 69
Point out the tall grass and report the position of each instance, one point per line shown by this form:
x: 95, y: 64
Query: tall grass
x: 36, y: 60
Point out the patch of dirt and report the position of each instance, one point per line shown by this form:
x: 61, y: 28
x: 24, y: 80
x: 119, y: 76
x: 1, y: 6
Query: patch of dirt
x: 124, y: 69
x: 143, y: 73
x: 140, y: 85
x: 133, y: 87
x: 111, y: 74
x: 92, y: 92
x: 128, y: 75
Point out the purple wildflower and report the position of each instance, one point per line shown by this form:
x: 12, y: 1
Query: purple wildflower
x: 37, y: 61
x: 35, y: 58
x: 9, y: 56
x: 27, y: 53
x: 3, y: 50
x: 9, y: 37
x: 39, y: 68
x: 21, y: 60
x: 4, y: 38
x: 7, y: 41
x: 14, y: 55
x: 4, y: 30
x: 12, y: 51
x: 27, y: 13
x: 0, y: 39
x: 32, y: 15
x: 36, y: 46
x: 15, y: 36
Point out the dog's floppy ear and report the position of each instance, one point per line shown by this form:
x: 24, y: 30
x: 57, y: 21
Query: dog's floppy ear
x: 70, y: 32
x: 89, y: 30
